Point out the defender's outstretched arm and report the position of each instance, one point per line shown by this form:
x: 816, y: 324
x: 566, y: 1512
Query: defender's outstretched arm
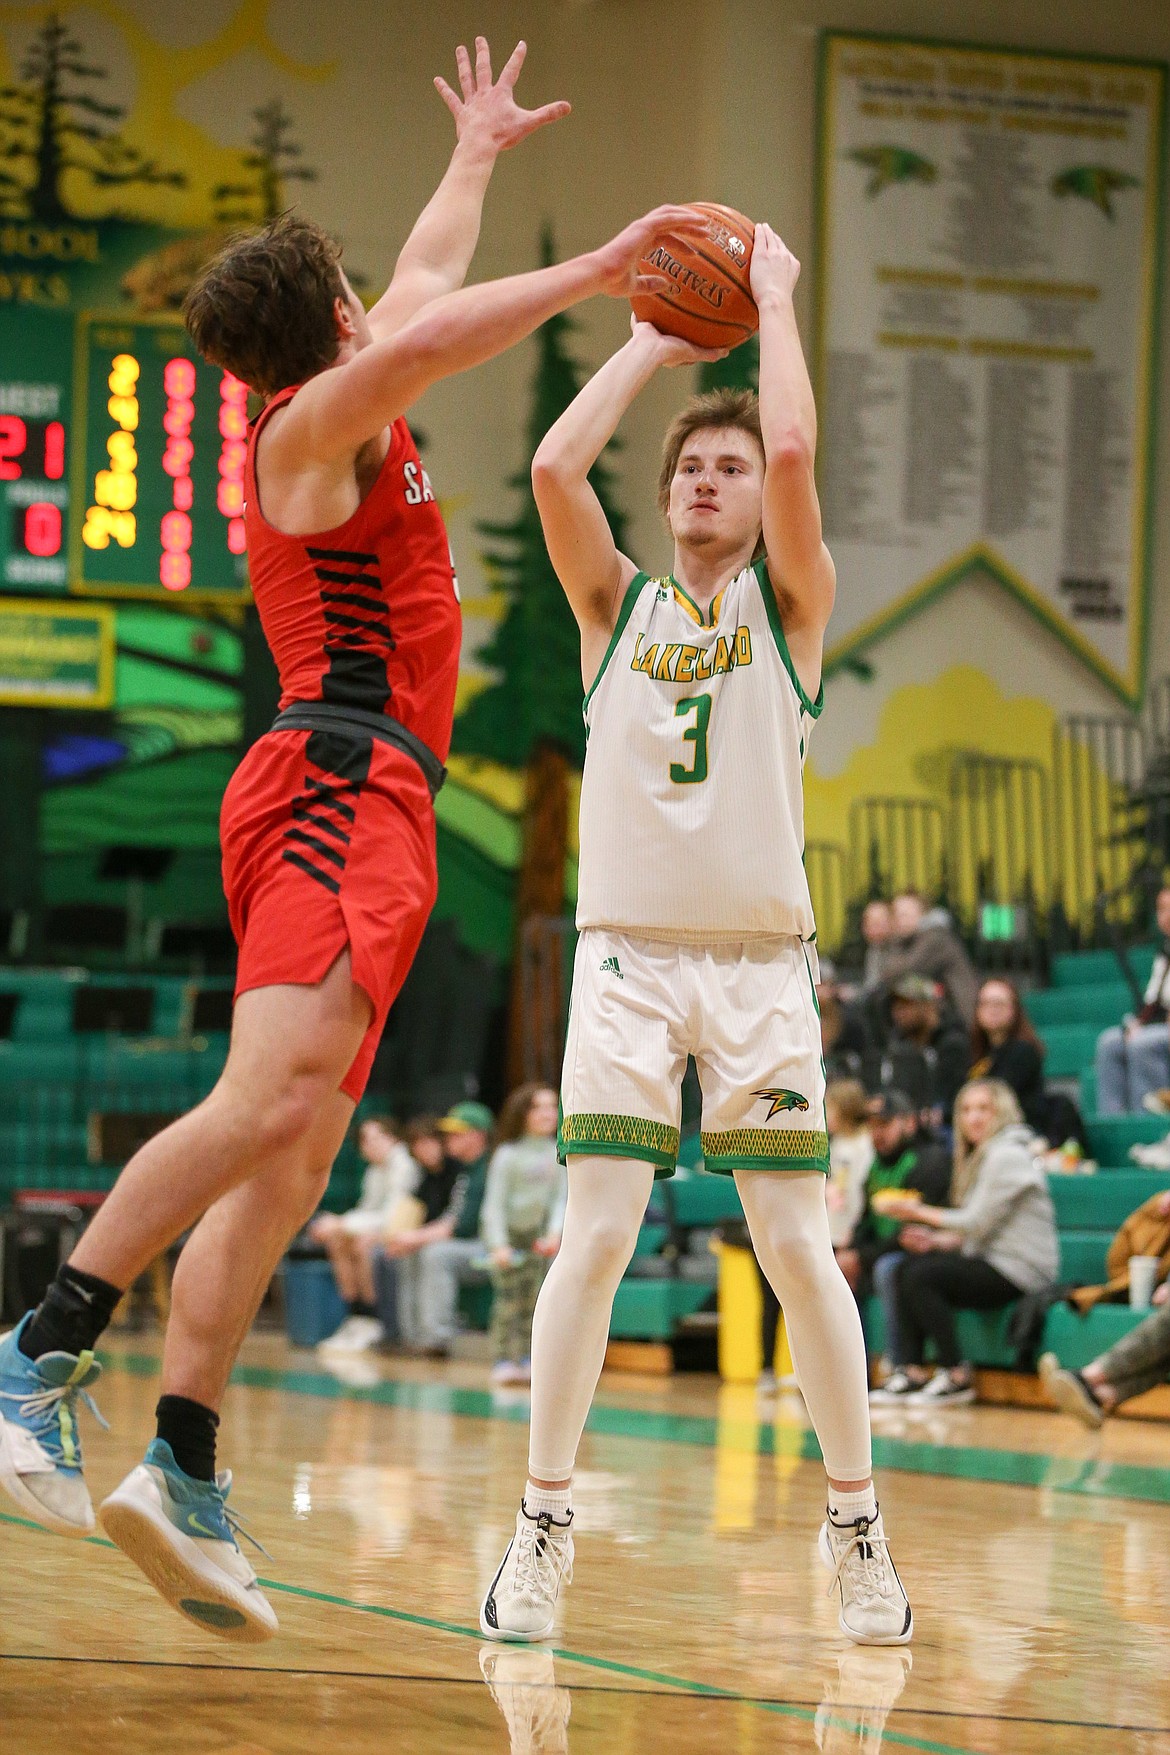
x: 799, y: 564
x: 587, y: 562
x: 337, y: 411
x: 436, y: 256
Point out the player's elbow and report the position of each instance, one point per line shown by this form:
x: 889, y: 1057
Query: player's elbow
x: 789, y: 453
x: 550, y: 468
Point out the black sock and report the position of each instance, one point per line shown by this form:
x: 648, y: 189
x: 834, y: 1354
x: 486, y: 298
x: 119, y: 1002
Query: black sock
x: 356, y: 1307
x: 73, y: 1313
x: 189, y: 1428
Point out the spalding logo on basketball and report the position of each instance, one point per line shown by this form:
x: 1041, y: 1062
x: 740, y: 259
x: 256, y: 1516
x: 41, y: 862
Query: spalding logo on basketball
x: 709, y: 301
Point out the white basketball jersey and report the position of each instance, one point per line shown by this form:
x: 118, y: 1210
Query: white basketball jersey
x: 692, y: 801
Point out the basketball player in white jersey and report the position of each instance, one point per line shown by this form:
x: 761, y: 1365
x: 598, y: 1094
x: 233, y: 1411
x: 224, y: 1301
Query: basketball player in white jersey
x: 696, y: 929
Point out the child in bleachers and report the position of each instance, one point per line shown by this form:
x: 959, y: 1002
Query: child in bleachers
x: 523, y: 1212
x: 349, y: 1239
x: 851, y: 1153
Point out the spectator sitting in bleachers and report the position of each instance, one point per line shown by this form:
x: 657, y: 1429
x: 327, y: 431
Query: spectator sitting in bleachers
x: 427, y: 1267
x: 1145, y: 1232
x: 844, y: 1036
x: 1005, y: 1046
x: 903, y: 1158
x: 1137, y: 1362
x: 996, y: 1242
x: 523, y: 1213
x: 926, y: 943
x: 349, y: 1239
x: 877, y: 930
x: 1133, y: 1057
x: 926, y: 1052
x: 851, y: 1152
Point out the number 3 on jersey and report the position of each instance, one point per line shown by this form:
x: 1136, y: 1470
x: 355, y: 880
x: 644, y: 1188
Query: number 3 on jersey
x: 700, y: 706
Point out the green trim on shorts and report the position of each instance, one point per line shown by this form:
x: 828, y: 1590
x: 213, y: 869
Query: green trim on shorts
x: 619, y: 1136
x: 729, y: 1163
x: 762, y: 1148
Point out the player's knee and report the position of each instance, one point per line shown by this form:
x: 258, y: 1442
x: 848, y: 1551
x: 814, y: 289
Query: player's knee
x: 606, y: 1246
x: 284, y: 1114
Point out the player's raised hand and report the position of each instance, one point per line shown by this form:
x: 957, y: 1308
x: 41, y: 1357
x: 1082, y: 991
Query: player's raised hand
x: 618, y: 260
x: 489, y: 113
x: 774, y: 269
x: 672, y: 350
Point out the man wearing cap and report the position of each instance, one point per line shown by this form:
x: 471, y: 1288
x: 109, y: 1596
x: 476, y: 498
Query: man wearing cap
x: 431, y: 1258
x: 928, y: 1054
x: 904, y: 1158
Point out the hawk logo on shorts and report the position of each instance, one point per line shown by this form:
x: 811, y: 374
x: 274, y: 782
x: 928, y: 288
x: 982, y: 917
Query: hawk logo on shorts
x: 611, y: 966
x: 780, y: 1101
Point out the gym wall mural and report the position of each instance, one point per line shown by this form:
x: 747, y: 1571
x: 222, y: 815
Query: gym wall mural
x: 133, y: 138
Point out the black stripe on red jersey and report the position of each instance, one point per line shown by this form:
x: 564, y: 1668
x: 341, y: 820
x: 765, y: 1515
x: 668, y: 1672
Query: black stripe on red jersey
x: 336, y: 578
x: 325, y: 796
x: 341, y: 554
x: 322, y: 877
x: 326, y: 852
x: 356, y: 647
x: 325, y: 824
x: 344, y: 760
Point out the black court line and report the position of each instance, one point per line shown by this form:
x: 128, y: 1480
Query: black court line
x: 727, y: 1698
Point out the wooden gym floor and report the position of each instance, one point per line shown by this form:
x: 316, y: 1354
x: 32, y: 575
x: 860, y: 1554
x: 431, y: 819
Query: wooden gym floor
x: 1035, y: 1554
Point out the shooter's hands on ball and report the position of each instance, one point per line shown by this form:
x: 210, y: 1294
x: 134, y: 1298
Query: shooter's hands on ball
x: 617, y: 262
x: 488, y: 115
x: 774, y: 270
x: 672, y: 350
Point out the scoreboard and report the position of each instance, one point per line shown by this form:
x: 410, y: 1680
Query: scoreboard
x: 121, y: 461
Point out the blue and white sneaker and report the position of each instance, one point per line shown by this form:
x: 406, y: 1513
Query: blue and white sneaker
x: 180, y: 1533
x: 40, y: 1450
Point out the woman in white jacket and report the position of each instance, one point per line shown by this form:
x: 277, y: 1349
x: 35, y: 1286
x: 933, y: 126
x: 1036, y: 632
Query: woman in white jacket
x: 994, y: 1243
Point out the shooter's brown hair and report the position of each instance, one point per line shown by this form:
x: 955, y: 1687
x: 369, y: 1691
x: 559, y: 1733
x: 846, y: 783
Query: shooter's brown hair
x: 263, y: 307
x: 713, y: 408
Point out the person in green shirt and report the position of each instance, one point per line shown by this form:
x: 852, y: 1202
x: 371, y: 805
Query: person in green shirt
x: 430, y: 1260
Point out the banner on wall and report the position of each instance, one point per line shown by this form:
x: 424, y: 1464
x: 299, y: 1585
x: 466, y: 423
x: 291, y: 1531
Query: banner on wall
x: 55, y: 655
x: 988, y: 264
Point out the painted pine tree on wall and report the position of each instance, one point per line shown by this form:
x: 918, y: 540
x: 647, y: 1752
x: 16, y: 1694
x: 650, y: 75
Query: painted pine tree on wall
x: 535, y: 650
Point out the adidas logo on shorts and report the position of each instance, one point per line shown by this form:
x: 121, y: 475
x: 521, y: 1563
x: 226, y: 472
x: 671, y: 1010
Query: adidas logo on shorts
x: 611, y: 966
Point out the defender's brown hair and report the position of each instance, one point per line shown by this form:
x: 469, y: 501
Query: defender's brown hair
x: 263, y: 308
x: 713, y: 408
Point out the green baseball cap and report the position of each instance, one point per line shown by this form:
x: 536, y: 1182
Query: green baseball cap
x: 464, y: 1117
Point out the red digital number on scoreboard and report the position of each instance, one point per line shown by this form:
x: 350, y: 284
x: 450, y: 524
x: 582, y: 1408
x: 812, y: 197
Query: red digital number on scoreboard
x: 21, y: 439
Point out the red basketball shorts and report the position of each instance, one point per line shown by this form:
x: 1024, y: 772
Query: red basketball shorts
x: 328, y: 840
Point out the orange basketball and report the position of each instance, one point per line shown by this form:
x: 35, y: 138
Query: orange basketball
x: 709, y: 300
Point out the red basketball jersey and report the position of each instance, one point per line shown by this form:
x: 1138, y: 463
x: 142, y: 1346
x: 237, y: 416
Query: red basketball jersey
x: 365, y: 615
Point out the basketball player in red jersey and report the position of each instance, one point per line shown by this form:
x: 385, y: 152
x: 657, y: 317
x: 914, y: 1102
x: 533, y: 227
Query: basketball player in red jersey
x: 327, y: 829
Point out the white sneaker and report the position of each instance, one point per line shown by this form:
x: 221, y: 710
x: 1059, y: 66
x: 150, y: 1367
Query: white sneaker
x: 523, y: 1685
x: 521, y: 1600
x: 1152, y: 1157
x: 179, y: 1532
x: 356, y: 1335
x: 943, y: 1392
x: 875, y: 1610
x: 852, y: 1716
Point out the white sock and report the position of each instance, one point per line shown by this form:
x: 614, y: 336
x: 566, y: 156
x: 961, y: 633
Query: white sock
x: 848, y: 1507
x: 556, y: 1501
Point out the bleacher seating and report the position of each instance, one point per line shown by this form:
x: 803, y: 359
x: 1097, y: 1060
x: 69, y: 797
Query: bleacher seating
x: 53, y: 1080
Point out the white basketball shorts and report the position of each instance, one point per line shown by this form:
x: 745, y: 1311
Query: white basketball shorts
x: 747, y: 1012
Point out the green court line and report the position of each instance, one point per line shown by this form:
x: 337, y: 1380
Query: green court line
x: 1091, y: 1476
x: 700, y: 1690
